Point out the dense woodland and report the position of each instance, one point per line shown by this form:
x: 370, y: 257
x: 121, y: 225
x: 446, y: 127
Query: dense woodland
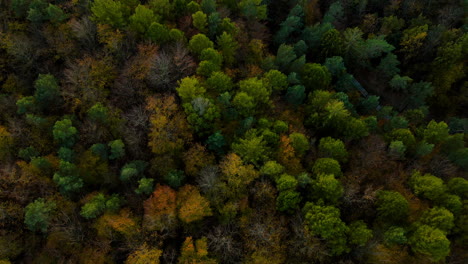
x: 250, y: 131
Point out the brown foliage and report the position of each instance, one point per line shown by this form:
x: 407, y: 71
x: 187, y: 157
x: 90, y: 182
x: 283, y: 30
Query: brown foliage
x: 196, y: 158
x: 160, y: 209
x: 192, y: 206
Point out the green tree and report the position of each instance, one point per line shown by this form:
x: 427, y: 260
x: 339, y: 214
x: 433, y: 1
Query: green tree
x: 397, y: 149
x: 145, y: 186
x: 272, y: 168
x: 189, y: 88
x: 175, y: 178
x: 254, y: 87
x: 392, y: 206
x: 358, y: 233
x: 98, y: 113
x: 427, y: 185
x: 333, y: 148
x: 228, y: 47
x: 253, y: 9
x: 200, y: 42
x: 216, y: 142
x: 335, y: 66
x: 108, y: 12
x: 275, y: 80
x: 430, y: 241
x: 252, y: 148
x: 325, y: 222
x: 315, y: 76
x: 326, y: 187
x: 331, y: 44
x: 26, y: 104
x: 327, y: 166
x: 158, y: 33
x: 141, y: 20
x: 395, y: 235
x: 47, y: 93
x: 219, y: 82
x: 438, y: 217
x: 436, y: 132
x: 117, y: 149
x: 133, y: 169
x: 208, y: 6
x: 288, y: 201
x: 300, y: 143
x: 67, y: 178
x: 37, y: 215
x: 295, y: 95
x: 244, y: 103
x: 458, y: 186
x: 199, y: 21
x: 65, y: 133
x: 55, y: 14
x: 94, y: 207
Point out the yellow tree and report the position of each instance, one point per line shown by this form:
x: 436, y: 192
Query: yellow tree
x: 169, y: 128
x: 192, y: 205
x: 6, y: 142
x: 160, y: 209
x: 144, y: 255
x: 195, y: 253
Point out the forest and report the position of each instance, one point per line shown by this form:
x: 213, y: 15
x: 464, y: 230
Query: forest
x: 233, y: 131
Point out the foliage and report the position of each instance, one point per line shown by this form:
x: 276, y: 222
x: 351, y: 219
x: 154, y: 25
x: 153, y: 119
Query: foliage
x: 392, y: 206
x: 333, y: 148
x: 37, y: 215
x: 327, y: 166
x: 427, y: 185
x: 431, y: 242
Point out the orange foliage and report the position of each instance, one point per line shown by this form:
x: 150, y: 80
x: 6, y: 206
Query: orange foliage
x: 169, y: 128
x: 160, y: 208
x: 287, y: 156
x: 192, y: 206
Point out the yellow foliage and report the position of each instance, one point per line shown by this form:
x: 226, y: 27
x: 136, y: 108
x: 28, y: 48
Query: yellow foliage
x: 192, y: 206
x: 144, y: 255
x: 6, y: 142
x: 195, y: 253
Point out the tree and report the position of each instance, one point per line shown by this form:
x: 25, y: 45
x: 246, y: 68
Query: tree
x: 169, y: 129
x: 144, y: 255
x: 392, y: 206
x: 326, y: 187
x: 253, y: 9
x: 272, y: 169
x: 427, y: 185
x: 288, y: 201
x: 94, y: 207
x: 108, y: 12
x: 295, y: 95
x: 395, y: 235
x: 117, y: 149
x: 333, y: 148
x: 300, y: 143
x: 196, y: 158
x: 219, y: 82
x: 142, y: 19
x: 200, y: 21
x: 237, y: 176
x: 98, y: 113
x: 67, y: 178
x: 412, y: 39
x: 315, y: 76
x: 252, y: 149
x: 327, y: 166
x: 458, y: 186
x: 275, y: 80
x: 436, y: 132
x: 174, y: 178
x: 397, y: 149
x: 335, y: 66
x: 200, y: 42
x: 438, y: 217
x: 430, y: 241
x: 216, y: 142
x: 400, y: 83
x: 47, y: 93
x: 244, y: 103
x: 331, y: 44
x: 158, y: 33
x: 132, y: 170
x: 255, y: 88
x: 6, y: 143
x: 160, y: 209
x: 37, y: 215
x: 359, y: 234
x: 145, y: 186
x: 195, y: 253
x: 55, y: 14
x: 64, y: 133
x: 228, y: 47
x: 325, y: 221
x: 189, y: 88
x: 191, y: 205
